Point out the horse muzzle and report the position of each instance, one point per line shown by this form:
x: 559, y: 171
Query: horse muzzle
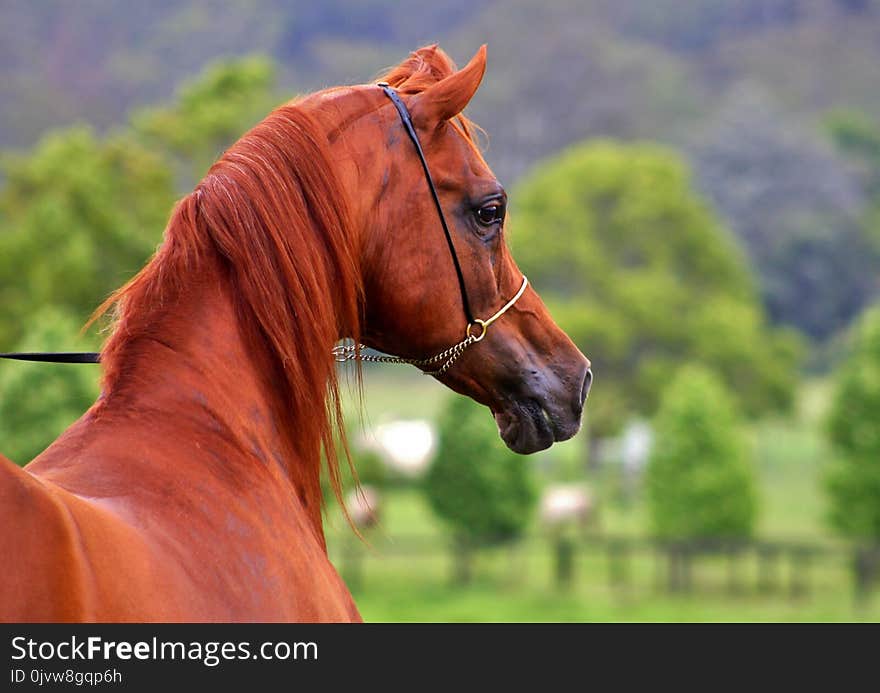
x: 548, y: 410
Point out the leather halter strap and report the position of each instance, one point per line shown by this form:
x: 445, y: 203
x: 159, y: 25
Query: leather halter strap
x: 411, y: 131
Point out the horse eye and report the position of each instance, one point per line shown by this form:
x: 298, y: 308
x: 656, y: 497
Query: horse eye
x: 490, y: 214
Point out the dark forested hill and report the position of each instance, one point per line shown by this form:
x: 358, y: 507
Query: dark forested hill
x: 562, y: 68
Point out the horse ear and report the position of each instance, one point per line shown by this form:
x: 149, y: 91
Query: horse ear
x: 448, y: 97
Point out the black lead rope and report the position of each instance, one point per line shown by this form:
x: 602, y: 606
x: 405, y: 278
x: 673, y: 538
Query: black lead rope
x: 411, y: 131
x: 56, y: 356
x: 95, y: 357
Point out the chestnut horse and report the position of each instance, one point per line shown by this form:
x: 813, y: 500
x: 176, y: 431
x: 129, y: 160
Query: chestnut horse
x: 190, y: 490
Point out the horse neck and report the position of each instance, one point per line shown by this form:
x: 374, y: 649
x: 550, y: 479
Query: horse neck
x: 233, y: 321
x: 198, y: 369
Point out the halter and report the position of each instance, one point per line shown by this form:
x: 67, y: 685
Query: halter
x: 449, y: 356
x: 348, y: 352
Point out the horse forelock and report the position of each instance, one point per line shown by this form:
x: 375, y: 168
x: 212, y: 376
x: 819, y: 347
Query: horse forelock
x: 275, y: 216
x: 422, y: 69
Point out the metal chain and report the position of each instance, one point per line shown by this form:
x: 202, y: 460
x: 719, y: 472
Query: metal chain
x: 349, y: 352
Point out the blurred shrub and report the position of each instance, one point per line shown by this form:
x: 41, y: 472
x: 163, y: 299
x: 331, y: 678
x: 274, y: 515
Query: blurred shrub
x: 699, y: 481
x: 39, y: 400
x: 635, y: 267
x: 369, y: 467
x: 476, y: 486
x: 854, y: 429
x: 78, y: 216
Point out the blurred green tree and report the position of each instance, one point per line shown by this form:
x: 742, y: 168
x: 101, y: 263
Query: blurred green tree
x: 78, y: 217
x: 483, y: 492
x: 699, y: 481
x: 79, y: 214
x: 635, y: 267
x: 853, y: 481
x: 209, y: 114
x: 39, y: 400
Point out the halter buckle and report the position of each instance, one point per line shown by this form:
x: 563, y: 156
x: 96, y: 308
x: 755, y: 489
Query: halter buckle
x: 483, y: 326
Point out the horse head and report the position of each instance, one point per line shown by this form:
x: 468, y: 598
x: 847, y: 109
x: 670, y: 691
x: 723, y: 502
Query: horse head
x: 524, y: 367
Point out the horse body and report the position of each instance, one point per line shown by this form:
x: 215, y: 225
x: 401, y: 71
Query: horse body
x: 190, y: 491
x: 82, y: 559
x: 174, y: 501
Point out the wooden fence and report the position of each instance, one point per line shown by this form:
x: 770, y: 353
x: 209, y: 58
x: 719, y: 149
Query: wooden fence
x: 785, y: 568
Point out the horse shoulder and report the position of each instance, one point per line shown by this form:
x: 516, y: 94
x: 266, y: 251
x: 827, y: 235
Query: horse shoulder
x: 44, y: 578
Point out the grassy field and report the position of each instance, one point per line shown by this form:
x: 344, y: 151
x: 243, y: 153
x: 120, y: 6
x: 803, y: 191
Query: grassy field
x: 409, y: 588
x: 406, y: 568
x: 403, y: 572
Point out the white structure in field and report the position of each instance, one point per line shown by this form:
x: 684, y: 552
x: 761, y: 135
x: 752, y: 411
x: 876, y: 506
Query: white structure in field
x: 631, y: 449
x: 567, y: 504
x: 364, y: 506
x: 635, y: 447
x: 405, y: 446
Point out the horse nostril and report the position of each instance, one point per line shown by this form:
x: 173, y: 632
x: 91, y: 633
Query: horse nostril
x: 585, y: 388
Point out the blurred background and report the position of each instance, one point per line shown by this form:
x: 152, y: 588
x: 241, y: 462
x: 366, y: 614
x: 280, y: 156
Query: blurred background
x: 695, y: 191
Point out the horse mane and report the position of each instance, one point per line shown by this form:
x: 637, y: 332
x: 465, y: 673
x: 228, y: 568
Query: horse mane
x: 273, y: 215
